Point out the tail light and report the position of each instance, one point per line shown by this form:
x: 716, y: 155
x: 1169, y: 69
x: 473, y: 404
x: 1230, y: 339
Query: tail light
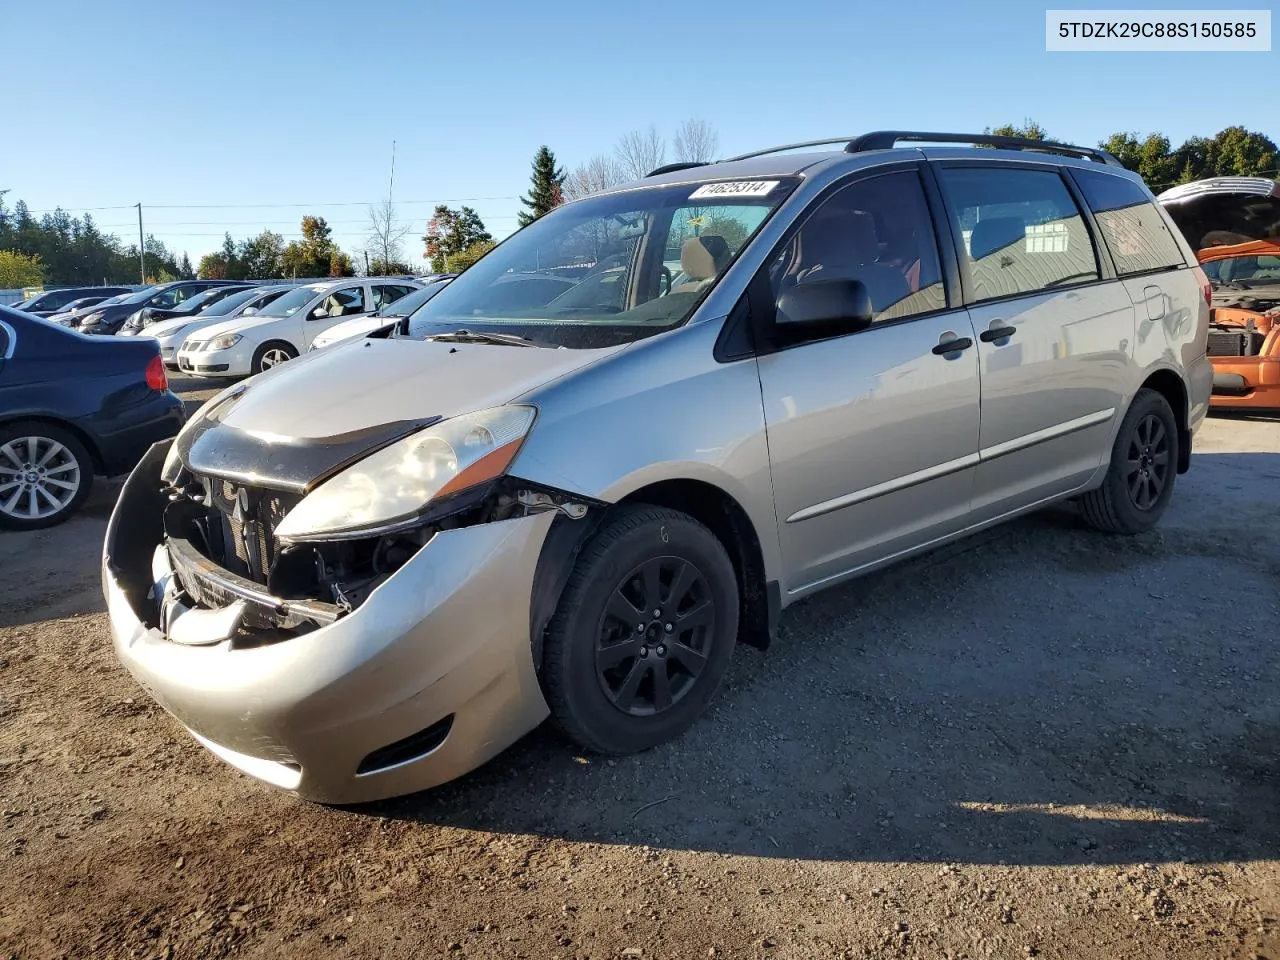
x: 157, y: 378
x: 1206, y: 288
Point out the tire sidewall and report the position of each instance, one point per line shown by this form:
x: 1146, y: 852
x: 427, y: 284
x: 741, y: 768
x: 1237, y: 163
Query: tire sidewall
x: 614, y: 730
x: 1146, y: 403
x: 78, y: 451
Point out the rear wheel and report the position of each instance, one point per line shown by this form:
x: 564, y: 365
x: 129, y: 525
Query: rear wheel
x: 45, y: 474
x: 272, y: 354
x: 644, y: 632
x: 1144, y: 463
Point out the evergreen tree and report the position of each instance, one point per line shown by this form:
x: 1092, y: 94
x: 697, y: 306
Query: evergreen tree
x: 548, y: 187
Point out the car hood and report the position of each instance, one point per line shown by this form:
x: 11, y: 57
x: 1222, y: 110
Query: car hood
x: 163, y: 328
x: 296, y: 424
x: 236, y: 325
x: 352, y: 328
x: 1225, y: 210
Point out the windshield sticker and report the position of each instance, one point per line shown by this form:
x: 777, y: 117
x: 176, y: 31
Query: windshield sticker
x: 735, y: 188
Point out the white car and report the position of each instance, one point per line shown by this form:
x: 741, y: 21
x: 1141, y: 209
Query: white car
x: 172, y: 333
x: 285, y: 328
x: 359, y: 326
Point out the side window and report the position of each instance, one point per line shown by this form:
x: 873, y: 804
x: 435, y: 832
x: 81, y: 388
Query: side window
x: 385, y: 293
x: 877, y: 231
x: 1132, y: 228
x: 1022, y: 230
x: 340, y: 303
x: 167, y: 299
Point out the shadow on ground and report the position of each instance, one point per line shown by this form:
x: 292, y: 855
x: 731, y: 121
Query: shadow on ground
x: 1040, y: 694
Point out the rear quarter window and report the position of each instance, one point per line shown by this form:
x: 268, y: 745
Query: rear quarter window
x: 1132, y: 228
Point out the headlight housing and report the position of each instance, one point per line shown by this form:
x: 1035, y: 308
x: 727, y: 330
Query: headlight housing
x: 224, y: 342
x: 93, y: 317
x: 387, y: 490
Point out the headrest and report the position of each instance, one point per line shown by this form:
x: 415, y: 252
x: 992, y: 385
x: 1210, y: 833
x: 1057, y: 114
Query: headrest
x: 702, y: 257
x: 995, y: 234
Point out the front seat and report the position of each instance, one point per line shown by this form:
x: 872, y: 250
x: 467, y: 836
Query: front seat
x: 844, y: 245
x: 701, y: 260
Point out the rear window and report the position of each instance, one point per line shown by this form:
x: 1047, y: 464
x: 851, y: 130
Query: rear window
x: 1134, y: 231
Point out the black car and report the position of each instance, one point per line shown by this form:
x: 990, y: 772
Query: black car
x: 72, y: 406
x: 188, y: 308
x: 54, y: 301
x: 109, y: 318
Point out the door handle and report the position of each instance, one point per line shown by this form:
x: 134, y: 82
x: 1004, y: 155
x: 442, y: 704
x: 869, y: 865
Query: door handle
x: 950, y: 343
x: 995, y: 333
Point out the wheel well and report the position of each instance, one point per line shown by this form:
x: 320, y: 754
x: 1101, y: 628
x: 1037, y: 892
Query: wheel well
x: 1169, y: 385
x: 724, y: 517
x: 99, y: 466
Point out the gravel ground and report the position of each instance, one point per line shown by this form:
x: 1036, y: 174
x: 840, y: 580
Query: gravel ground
x: 1042, y: 742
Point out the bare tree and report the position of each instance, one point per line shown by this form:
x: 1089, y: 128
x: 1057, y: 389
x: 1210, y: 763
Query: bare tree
x: 386, y: 232
x: 640, y: 151
x: 696, y: 141
x: 598, y: 173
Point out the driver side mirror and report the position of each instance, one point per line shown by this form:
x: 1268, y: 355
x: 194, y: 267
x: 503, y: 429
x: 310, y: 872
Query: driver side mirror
x: 823, y: 308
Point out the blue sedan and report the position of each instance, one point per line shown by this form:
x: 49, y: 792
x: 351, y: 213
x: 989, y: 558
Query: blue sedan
x: 72, y: 406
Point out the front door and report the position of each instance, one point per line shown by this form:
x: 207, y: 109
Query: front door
x: 1054, y: 335
x: 873, y: 436
x: 337, y: 306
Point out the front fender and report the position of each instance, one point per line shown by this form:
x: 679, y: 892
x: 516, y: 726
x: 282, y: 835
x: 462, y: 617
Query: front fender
x: 661, y: 410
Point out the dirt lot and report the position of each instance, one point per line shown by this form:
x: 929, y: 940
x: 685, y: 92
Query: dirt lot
x: 1042, y: 743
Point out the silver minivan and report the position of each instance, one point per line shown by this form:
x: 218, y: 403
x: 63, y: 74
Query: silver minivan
x: 370, y: 570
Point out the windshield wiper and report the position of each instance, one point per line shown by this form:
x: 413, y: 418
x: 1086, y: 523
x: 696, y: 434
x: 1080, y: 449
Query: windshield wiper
x: 480, y: 336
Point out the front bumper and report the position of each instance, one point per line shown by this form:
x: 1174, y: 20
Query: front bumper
x: 441, y: 647
x: 211, y: 363
x: 1248, y: 383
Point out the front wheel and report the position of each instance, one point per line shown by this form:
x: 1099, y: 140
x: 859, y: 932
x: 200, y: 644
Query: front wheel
x: 45, y: 474
x: 644, y: 631
x: 1144, y: 462
x: 272, y: 354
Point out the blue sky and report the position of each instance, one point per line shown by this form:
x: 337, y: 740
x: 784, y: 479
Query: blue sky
x: 256, y: 113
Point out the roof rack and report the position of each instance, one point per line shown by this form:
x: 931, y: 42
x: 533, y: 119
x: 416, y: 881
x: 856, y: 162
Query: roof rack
x: 785, y: 146
x: 888, y: 139
x: 673, y: 167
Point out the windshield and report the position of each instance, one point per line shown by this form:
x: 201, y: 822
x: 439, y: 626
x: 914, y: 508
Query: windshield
x: 139, y: 295
x: 196, y: 302
x: 609, y: 269
x: 228, y: 304
x: 412, y: 301
x: 1261, y: 270
x: 290, y: 303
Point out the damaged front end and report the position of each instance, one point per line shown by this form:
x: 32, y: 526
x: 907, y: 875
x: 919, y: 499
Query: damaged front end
x: 223, y: 565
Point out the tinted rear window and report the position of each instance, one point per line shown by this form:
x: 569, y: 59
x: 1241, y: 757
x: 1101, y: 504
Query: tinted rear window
x: 1134, y: 231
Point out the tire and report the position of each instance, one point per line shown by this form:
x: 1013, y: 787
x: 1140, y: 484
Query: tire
x: 1144, y: 466
x: 264, y: 358
x: 591, y: 657
x: 43, y: 464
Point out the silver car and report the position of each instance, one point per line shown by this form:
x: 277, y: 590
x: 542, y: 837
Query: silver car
x: 370, y: 570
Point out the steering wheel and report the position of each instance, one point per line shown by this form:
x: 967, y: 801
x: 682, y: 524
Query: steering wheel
x: 666, y: 275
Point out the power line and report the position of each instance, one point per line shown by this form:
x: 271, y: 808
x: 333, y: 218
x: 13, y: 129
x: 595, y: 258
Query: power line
x: 267, y: 206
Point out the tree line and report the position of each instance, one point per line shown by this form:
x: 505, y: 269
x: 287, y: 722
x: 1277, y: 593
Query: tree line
x: 58, y: 248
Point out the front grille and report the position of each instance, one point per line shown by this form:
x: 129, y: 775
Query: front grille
x: 1234, y: 343
x: 248, y: 517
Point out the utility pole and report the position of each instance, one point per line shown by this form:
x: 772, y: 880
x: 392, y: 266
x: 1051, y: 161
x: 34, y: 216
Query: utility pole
x: 142, y: 260
x: 386, y: 236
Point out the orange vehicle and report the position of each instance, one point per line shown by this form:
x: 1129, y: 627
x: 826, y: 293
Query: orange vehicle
x: 1233, y: 224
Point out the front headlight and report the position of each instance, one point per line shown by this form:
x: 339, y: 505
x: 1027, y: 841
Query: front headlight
x: 387, y: 490
x: 134, y: 319
x: 224, y: 342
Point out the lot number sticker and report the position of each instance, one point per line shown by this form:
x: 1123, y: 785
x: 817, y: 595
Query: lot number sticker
x: 734, y: 188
